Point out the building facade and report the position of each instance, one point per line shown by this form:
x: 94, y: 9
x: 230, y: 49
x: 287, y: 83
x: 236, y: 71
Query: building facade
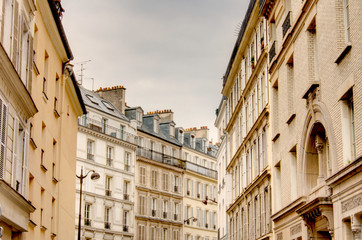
x: 224, y: 178
x: 107, y: 145
x: 16, y: 108
x: 315, y: 78
x: 200, y: 184
x: 159, y: 181
x: 53, y: 129
x: 248, y: 130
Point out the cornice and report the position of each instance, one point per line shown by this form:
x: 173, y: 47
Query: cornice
x: 158, y: 220
x: 17, y: 89
x: 107, y: 137
x: 156, y: 191
x: 13, y: 195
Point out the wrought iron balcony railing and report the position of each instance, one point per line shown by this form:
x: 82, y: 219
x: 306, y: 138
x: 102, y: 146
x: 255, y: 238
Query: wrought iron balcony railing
x: 286, y: 24
x: 164, y: 214
x: 98, y: 126
x: 272, y: 52
x: 160, y: 157
x: 107, y: 225
x: 126, y: 196
x: 201, y: 170
x: 125, y: 228
x: 108, y: 193
x: 153, y: 213
x: 87, y: 222
x: 109, y: 162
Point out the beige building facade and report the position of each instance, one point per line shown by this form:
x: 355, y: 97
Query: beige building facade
x: 315, y: 83
x: 53, y: 129
x: 16, y: 108
x: 200, y: 184
x: 248, y: 131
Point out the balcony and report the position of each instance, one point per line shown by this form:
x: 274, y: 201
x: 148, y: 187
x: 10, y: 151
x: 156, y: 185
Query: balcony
x: 87, y: 222
x: 108, y: 193
x: 201, y: 170
x: 160, y: 157
x: 164, y: 214
x: 272, y: 52
x: 286, y: 24
x: 125, y: 228
x: 125, y: 196
x: 98, y: 126
x: 107, y: 225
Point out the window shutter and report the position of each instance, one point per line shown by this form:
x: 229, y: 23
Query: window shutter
x: 25, y: 165
x: 266, y: 85
x: 16, y: 160
x: 244, y: 170
x: 15, y: 52
x: 3, y: 127
x: 192, y: 188
x: 259, y: 96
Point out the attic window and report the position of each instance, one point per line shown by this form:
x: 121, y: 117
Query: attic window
x: 108, y: 105
x: 91, y: 98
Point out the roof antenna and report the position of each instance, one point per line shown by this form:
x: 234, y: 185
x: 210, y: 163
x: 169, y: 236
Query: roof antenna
x: 81, y: 70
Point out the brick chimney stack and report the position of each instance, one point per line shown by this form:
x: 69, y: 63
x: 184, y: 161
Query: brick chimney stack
x: 116, y: 95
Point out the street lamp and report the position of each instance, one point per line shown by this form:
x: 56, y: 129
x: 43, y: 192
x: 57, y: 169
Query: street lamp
x: 94, y: 176
x: 188, y: 220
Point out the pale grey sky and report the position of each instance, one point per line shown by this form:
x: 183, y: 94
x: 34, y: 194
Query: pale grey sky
x: 168, y: 54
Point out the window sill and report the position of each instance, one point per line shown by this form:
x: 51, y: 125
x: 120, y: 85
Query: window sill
x: 35, y: 67
x: 56, y: 113
x: 43, y: 168
x: 344, y: 52
x: 32, y: 142
x: 45, y: 97
x: 43, y: 228
x: 276, y: 137
x: 291, y: 118
x: 55, y: 180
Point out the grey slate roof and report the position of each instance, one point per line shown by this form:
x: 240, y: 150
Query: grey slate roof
x: 93, y: 100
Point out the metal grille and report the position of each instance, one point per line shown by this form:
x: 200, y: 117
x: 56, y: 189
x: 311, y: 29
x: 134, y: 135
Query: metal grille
x: 286, y: 24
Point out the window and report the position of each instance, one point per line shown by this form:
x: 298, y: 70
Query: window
x: 127, y: 161
x: 121, y: 129
x: 142, y: 205
x: 176, y: 184
x: 153, y: 207
x: 109, y: 155
x: 164, y: 234
x: 141, y: 232
x: 87, y: 216
x: 348, y: 127
x: 176, y: 209
x: 56, y: 97
x: 46, y: 69
x: 90, y: 150
x: 107, y: 213
x: 346, y: 20
x: 164, y: 208
x: 42, y: 160
x: 156, y: 126
x: 165, y: 182
x: 125, y: 221
x: 143, y: 175
x: 126, y: 187
x: 154, y: 177
x: 108, y: 186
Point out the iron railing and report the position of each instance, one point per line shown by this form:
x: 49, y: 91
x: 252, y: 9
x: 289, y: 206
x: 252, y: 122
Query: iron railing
x: 107, y: 225
x: 272, y: 52
x: 87, y: 222
x: 98, y: 126
x: 160, y: 157
x: 201, y: 170
x: 125, y: 228
x: 286, y: 24
x: 126, y: 196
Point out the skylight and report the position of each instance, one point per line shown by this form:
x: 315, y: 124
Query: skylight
x: 91, y: 98
x: 108, y: 105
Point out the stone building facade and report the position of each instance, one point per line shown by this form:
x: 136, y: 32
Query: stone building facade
x: 315, y: 83
x: 53, y: 130
x: 159, y: 181
x: 16, y: 108
x: 248, y: 129
x: 200, y: 184
x: 106, y: 144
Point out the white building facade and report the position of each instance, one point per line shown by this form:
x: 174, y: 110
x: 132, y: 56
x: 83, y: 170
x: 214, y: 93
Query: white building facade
x: 106, y: 144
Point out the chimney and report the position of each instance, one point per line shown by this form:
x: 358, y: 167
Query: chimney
x: 202, y: 132
x: 116, y: 95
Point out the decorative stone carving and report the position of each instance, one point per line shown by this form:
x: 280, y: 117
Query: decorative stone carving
x: 296, y: 229
x: 352, y: 203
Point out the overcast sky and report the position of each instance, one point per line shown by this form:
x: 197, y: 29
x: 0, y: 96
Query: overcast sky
x: 168, y: 54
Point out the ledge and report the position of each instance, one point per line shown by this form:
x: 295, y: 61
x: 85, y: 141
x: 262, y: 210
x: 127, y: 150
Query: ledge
x: 344, y: 52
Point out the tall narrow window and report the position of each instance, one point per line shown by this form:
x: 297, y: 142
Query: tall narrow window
x: 108, y: 186
x: 293, y: 173
x: 107, y: 218
x: 348, y: 127
x: 87, y: 214
x: 165, y: 181
x: 346, y: 20
x: 126, y: 189
x: 109, y: 155
x: 90, y: 150
x: 154, y: 207
x: 290, y: 87
x: 154, y: 176
x: 127, y: 161
x: 104, y: 125
x: 46, y: 69
x: 56, y: 96
x: 125, y: 221
x: 121, y: 129
x: 277, y: 192
x: 142, y: 175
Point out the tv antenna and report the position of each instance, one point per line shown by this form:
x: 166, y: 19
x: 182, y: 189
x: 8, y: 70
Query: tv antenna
x: 81, y: 70
x: 92, y: 82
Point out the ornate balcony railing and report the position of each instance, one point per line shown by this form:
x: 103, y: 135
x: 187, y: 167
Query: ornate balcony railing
x: 286, y: 24
x: 272, y: 52
x: 107, y: 225
x: 98, y: 126
x: 201, y: 170
x: 160, y: 157
x: 125, y: 228
x: 87, y: 222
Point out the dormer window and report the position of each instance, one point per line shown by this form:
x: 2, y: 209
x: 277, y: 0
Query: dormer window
x: 172, y: 131
x: 181, y: 136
